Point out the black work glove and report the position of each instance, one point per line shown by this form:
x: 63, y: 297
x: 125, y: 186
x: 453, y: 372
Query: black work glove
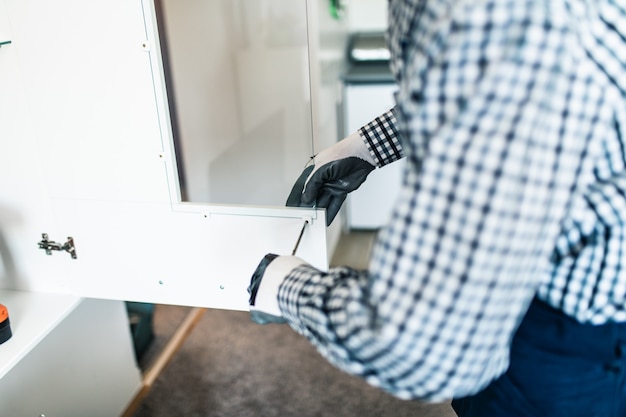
x: 330, y: 175
x: 264, y: 285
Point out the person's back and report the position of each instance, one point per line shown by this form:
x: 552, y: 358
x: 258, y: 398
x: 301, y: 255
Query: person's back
x: 506, y: 245
x: 588, y: 282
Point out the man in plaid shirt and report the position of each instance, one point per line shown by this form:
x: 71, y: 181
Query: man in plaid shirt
x: 499, y: 281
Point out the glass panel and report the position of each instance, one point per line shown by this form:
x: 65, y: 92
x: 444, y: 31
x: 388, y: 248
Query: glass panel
x: 237, y: 73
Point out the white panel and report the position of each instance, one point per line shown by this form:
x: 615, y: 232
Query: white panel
x: 25, y: 211
x: 147, y: 253
x: 90, y: 94
x: 370, y: 206
x: 32, y: 315
x: 367, y: 15
x: 94, y: 161
x: 84, y: 367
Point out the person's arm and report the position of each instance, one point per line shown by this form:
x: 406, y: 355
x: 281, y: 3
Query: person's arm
x: 340, y: 169
x: 493, y: 154
x: 381, y: 138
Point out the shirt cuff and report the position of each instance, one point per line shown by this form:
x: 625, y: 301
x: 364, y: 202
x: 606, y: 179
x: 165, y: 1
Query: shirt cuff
x: 382, y: 139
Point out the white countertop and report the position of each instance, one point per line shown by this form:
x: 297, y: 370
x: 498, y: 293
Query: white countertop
x: 32, y: 315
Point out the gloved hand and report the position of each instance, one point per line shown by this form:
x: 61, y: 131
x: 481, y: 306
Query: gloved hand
x: 264, y: 284
x: 331, y: 175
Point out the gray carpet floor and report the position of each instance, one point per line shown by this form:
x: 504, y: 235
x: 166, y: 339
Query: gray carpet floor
x: 231, y: 367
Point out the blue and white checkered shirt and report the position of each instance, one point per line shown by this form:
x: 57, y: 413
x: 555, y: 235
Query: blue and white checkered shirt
x: 512, y: 115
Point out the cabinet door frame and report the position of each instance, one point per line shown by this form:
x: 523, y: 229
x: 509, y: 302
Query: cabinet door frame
x: 148, y: 248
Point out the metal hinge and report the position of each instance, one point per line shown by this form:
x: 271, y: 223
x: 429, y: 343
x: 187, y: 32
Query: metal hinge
x: 49, y: 246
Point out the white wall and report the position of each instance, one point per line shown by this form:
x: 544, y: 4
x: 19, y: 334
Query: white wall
x: 367, y: 15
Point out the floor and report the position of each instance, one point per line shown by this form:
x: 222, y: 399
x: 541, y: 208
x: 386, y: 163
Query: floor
x: 229, y: 366
x: 353, y: 249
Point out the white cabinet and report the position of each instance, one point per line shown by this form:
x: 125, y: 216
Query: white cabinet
x: 69, y: 357
x: 86, y: 151
x: 370, y: 206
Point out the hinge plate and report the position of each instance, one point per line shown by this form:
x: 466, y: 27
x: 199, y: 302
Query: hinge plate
x: 50, y: 246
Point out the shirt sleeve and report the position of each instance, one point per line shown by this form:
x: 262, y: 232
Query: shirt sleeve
x: 488, y: 179
x: 382, y: 139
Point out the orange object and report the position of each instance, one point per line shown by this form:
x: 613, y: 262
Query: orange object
x: 5, y: 325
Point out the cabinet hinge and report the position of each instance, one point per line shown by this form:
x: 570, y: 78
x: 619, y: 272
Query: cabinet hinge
x: 49, y: 246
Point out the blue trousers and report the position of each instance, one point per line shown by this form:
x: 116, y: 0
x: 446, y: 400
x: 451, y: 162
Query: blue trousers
x: 559, y: 367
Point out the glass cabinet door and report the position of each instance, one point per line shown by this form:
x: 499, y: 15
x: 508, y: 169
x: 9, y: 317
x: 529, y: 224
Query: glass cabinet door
x: 237, y: 78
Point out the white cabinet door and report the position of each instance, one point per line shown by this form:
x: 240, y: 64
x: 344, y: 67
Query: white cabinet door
x: 86, y: 152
